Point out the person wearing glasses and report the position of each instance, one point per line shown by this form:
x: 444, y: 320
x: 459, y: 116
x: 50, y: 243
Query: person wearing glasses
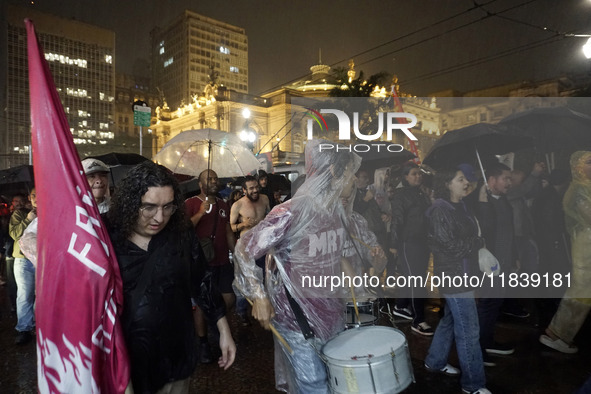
x: 162, y: 269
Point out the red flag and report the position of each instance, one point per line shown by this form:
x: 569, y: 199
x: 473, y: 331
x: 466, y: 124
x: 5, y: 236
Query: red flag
x: 80, y: 344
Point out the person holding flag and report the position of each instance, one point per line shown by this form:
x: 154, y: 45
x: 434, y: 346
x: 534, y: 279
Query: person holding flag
x: 80, y: 343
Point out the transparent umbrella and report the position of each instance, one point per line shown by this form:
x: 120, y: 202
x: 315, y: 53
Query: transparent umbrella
x: 192, y: 151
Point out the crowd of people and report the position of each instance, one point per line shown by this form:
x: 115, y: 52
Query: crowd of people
x: 188, y: 263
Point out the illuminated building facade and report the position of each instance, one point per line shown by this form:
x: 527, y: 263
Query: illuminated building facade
x: 193, y: 50
x: 81, y: 59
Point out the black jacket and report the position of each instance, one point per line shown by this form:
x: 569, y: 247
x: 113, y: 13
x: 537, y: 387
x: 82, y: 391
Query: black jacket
x: 496, y: 222
x: 158, y: 324
x: 372, y: 213
x: 453, y: 239
x: 409, y: 205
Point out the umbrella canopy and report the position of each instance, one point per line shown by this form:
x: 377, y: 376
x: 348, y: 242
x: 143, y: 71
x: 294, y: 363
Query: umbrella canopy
x: 552, y: 128
x: 190, y: 152
x: 19, y: 174
x: 116, y: 158
x: 373, y: 160
x: 462, y: 145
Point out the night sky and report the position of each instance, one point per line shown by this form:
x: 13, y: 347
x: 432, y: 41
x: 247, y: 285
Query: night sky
x: 431, y: 45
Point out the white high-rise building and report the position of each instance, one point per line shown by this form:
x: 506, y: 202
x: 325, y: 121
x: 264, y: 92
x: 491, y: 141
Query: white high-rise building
x: 191, y: 51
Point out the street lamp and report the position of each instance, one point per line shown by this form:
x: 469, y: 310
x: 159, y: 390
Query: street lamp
x: 249, y: 137
x: 247, y: 134
x: 587, y: 49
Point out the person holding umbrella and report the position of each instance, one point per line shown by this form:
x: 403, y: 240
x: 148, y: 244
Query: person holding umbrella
x: 453, y: 239
x: 210, y: 216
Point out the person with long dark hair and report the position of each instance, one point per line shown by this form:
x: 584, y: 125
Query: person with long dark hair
x: 408, y: 241
x: 453, y: 239
x: 162, y: 268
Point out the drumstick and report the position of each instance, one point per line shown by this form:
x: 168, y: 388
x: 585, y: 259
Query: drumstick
x: 276, y: 333
x: 355, y: 305
x: 361, y: 242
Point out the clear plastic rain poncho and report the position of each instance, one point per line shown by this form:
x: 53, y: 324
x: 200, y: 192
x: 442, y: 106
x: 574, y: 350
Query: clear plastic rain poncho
x: 577, y: 209
x: 308, y: 237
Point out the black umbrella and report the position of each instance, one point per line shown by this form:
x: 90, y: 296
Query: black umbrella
x: 552, y: 128
x: 475, y: 144
x: 120, y: 164
x: 19, y: 174
x: 115, y: 158
x: 373, y: 159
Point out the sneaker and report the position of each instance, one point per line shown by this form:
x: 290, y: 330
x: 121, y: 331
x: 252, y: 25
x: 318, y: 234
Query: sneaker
x: 403, y: 312
x: 423, y: 329
x: 447, y: 370
x: 487, y: 362
x: 483, y: 390
x: 23, y: 337
x: 558, y: 344
x: 501, y: 349
x: 205, y: 356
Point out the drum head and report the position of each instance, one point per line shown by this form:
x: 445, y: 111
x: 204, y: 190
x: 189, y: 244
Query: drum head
x: 363, y: 343
x: 363, y: 317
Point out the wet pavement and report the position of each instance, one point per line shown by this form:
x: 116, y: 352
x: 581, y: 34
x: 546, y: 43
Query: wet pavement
x: 533, y: 368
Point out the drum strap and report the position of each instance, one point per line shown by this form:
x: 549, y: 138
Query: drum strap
x: 300, y: 317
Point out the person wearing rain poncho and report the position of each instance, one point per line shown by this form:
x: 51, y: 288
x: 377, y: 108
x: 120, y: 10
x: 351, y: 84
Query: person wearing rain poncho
x: 576, y: 303
x: 308, y: 236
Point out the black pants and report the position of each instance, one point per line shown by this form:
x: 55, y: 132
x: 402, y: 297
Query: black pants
x: 413, y: 259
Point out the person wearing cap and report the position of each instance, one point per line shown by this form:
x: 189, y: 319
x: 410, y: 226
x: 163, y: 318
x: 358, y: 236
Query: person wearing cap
x: 97, y: 174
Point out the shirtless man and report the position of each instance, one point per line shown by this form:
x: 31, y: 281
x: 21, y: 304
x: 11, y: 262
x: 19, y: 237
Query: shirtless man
x: 246, y: 213
x: 250, y: 209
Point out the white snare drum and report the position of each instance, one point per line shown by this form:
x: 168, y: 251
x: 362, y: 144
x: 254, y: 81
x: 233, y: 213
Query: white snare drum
x: 368, y: 360
x: 368, y: 313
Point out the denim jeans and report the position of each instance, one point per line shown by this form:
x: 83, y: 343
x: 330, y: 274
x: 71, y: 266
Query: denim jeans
x: 460, y: 322
x: 24, y: 274
x: 303, y: 370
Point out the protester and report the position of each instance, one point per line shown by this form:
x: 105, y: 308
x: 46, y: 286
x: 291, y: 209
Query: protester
x: 408, y: 241
x: 495, y: 216
x: 298, y: 233
x: 162, y: 267
x: 210, y: 215
x: 576, y: 303
x: 244, y: 215
x: 235, y: 196
x: 24, y: 273
x: 97, y: 174
x: 250, y: 209
x: 366, y: 205
x: 266, y: 187
x: 453, y: 239
x: 18, y: 202
x: 551, y: 237
x: 523, y: 189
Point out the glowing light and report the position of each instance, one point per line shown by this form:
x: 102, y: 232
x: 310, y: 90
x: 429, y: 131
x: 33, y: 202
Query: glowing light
x: 587, y: 49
